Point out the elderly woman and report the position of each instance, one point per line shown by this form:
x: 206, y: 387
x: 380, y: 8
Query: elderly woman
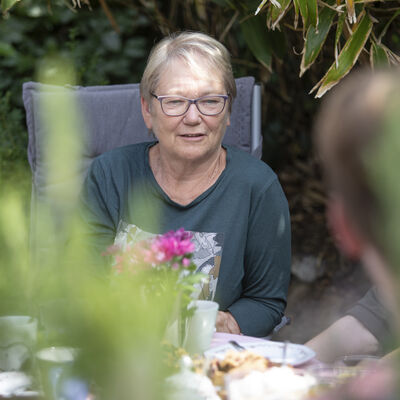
x: 232, y: 202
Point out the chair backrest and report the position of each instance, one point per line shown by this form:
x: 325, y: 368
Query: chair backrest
x: 112, y: 118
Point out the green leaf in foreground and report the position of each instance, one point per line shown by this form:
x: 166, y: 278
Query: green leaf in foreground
x: 275, y: 14
x: 301, y: 5
x: 315, y: 38
x: 312, y: 6
x: 7, y: 4
x: 339, y: 30
x: 378, y: 56
x: 347, y: 57
x: 257, y: 38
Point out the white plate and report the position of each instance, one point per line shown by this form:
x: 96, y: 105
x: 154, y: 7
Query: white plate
x: 296, y: 354
x: 13, y: 383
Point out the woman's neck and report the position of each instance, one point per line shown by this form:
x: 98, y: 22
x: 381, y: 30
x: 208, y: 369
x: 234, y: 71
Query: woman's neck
x: 185, y: 180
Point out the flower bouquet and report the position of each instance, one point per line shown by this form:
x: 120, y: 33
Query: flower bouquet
x: 164, y: 266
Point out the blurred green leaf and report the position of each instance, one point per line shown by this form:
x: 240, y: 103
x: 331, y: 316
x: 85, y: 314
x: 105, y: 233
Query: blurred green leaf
x: 258, y: 39
x: 296, y: 13
x: 378, y: 56
x: 386, y: 27
x: 260, y: 6
x: 275, y: 14
x: 339, y: 30
x: 308, y: 11
x: 315, y: 38
x: 6, y: 50
x: 7, y: 4
x: 312, y: 6
x: 222, y: 2
x: 301, y: 5
x: 347, y: 57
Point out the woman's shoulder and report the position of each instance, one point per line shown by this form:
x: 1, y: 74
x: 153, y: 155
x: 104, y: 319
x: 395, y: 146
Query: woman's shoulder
x: 122, y: 155
x: 244, y: 165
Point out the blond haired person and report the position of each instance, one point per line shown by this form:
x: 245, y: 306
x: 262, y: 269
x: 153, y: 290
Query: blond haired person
x: 232, y: 202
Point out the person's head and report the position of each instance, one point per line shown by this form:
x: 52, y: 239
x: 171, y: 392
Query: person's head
x: 188, y: 47
x: 350, y: 131
x: 188, y: 66
x: 348, y: 128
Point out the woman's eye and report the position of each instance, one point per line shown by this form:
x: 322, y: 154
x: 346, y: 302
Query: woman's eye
x: 210, y: 102
x: 175, y: 102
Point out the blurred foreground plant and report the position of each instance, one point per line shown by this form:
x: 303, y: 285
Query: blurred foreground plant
x: 117, y: 330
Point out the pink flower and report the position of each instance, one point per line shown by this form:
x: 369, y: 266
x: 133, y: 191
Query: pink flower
x: 175, y: 266
x: 111, y: 250
x: 185, y: 262
x: 172, y: 250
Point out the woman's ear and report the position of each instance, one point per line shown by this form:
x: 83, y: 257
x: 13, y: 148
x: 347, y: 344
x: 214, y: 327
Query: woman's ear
x: 347, y: 238
x: 146, y: 112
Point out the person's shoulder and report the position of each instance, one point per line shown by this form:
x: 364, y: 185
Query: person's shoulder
x: 124, y: 154
x: 249, y: 168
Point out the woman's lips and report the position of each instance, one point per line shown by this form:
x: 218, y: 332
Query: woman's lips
x: 193, y: 136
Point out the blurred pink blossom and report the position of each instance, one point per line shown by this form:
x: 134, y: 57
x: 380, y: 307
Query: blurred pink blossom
x: 173, y: 249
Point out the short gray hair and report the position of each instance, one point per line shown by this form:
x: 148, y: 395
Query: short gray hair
x: 187, y: 45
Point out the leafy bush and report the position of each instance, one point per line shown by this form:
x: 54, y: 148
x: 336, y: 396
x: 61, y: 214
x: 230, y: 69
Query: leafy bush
x: 13, y: 138
x: 32, y: 32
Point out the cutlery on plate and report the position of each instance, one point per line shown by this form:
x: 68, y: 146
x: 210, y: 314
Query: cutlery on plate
x: 284, y: 352
x: 236, y: 345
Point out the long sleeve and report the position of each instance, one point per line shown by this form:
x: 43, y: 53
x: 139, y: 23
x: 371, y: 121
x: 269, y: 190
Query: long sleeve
x: 267, y: 264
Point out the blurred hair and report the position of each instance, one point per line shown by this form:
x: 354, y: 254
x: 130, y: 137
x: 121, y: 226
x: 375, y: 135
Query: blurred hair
x: 187, y: 46
x: 347, y: 132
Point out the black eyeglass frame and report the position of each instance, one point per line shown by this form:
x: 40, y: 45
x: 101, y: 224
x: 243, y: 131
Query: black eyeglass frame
x: 191, y: 101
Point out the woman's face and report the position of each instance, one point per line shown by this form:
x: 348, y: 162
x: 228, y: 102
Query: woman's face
x: 192, y: 136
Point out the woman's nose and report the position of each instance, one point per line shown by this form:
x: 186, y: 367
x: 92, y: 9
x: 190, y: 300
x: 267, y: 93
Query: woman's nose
x: 192, y: 114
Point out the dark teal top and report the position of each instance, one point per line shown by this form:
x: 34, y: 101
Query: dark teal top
x: 241, y: 227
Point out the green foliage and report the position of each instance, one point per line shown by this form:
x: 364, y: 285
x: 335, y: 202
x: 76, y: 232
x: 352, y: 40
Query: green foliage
x: 318, y: 21
x: 320, y: 18
x: 32, y: 33
x: 315, y: 38
x: 13, y: 139
x: 117, y: 329
x: 252, y: 30
x: 347, y: 57
x: 6, y: 5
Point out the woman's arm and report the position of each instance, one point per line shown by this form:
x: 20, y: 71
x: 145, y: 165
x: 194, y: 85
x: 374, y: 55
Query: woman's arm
x: 267, y: 263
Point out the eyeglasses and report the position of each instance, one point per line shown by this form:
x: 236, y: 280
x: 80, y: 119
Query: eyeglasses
x: 175, y: 106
